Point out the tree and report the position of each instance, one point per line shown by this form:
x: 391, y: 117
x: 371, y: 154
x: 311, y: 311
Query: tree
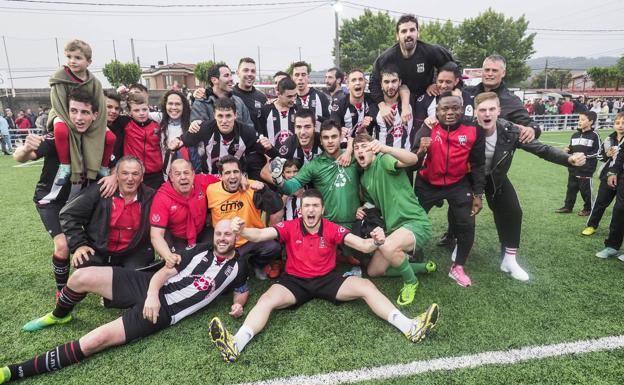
x: 600, y: 76
x: 492, y: 33
x: 201, y: 71
x: 362, y: 39
x: 119, y: 73
x: 443, y: 34
x: 557, y: 78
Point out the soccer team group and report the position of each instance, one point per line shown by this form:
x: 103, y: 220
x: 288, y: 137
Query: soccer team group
x: 231, y: 184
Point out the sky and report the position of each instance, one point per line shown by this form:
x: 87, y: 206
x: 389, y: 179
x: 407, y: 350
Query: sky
x: 272, y: 34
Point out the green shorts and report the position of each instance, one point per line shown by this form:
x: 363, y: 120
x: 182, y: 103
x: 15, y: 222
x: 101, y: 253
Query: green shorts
x: 421, y: 231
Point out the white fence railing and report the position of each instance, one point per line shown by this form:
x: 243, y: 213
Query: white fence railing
x: 18, y: 135
x: 569, y: 122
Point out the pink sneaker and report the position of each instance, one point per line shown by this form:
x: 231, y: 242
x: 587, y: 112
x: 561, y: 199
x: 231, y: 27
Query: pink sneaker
x: 458, y: 274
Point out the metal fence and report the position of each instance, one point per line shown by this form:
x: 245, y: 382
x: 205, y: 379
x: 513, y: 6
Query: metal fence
x: 569, y: 122
x: 19, y: 134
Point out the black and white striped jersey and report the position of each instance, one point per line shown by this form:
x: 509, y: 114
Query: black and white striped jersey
x: 201, y: 278
x: 291, y: 149
x: 276, y: 125
x: 399, y: 135
x: 351, y: 115
x: 316, y: 101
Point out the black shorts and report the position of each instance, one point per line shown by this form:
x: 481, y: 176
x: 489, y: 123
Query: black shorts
x: 135, y: 259
x: 49, y: 214
x: 304, y: 289
x: 129, y: 292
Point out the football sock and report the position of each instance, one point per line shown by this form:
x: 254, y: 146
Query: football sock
x: 55, y: 359
x: 66, y: 302
x: 400, y: 321
x: 242, y: 337
x: 61, y: 271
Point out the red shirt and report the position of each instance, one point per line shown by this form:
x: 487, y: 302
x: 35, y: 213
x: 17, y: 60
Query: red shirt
x: 566, y: 108
x: 310, y: 255
x: 448, y: 156
x: 168, y: 212
x: 143, y: 141
x: 125, y: 221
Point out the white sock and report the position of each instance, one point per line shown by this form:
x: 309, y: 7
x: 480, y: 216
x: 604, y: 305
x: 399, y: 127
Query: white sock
x: 510, y: 254
x: 242, y: 337
x: 400, y: 321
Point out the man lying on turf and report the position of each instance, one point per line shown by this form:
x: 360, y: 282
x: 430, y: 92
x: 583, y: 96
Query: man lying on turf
x: 310, y: 243
x: 197, y: 280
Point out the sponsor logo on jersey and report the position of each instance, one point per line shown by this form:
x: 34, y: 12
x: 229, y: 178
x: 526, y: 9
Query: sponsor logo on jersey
x: 231, y: 206
x: 420, y: 67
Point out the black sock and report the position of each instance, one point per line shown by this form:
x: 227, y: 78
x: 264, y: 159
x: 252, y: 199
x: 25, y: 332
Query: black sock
x: 61, y: 271
x: 66, y: 302
x: 55, y: 359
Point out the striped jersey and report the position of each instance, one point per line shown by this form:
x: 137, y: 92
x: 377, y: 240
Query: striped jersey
x: 201, y: 278
x: 399, y: 135
x: 351, y: 115
x: 316, y: 101
x: 276, y: 125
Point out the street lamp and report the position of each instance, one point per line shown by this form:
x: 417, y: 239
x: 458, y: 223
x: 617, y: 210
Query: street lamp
x: 337, y: 5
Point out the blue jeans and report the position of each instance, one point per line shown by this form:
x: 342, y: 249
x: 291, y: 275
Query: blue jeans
x: 6, y: 143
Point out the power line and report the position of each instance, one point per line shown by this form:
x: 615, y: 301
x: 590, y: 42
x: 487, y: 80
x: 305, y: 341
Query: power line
x: 237, y: 30
x: 361, y: 6
x: 165, y: 5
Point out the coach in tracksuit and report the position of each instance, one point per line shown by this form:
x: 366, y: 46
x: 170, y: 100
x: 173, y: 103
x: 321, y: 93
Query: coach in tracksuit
x: 587, y: 141
x: 502, y: 138
x: 456, y: 148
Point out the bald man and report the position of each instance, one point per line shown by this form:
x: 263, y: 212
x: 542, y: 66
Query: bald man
x: 202, y: 275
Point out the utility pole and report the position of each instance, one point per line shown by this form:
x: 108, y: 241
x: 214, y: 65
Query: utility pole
x: 114, y: 50
x: 8, y: 65
x: 214, y: 56
x: 546, y: 74
x: 259, y: 72
x: 299, y: 53
x: 132, y: 49
x: 166, y: 54
x: 337, y: 9
x: 58, y: 57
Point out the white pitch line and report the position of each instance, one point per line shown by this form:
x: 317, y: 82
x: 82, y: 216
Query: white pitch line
x: 452, y: 363
x: 30, y: 164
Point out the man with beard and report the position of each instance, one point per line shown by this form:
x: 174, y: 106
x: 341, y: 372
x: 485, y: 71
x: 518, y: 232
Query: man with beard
x: 448, y: 79
x: 416, y: 62
x: 153, y: 301
x: 227, y: 200
x: 276, y: 123
x: 221, y: 86
x: 356, y: 112
x: 398, y: 134
x: 304, y: 146
x: 308, y: 97
x: 254, y: 99
x: 310, y: 243
x: 456, y: 148
x: 333, y: 86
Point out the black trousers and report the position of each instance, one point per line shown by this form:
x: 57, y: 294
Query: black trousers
x: 616, y: 228
x: 576, y: 184
x: 507, y: 212
x: 459, y: 198
x: 604, y: 198
x: 261, y: 253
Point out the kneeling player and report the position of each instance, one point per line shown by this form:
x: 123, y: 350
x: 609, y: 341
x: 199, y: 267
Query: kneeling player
x: 311, y: 258
x: 196, y: 281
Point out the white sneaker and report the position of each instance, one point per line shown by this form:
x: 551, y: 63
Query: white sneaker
x: 510, y: 265
x: 454, y: 254
x: 607, y: 252
x: 621, y: 257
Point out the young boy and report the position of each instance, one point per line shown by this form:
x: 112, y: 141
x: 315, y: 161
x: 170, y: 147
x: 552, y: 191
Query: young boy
x: 90, y: 152
x: 292, y: 203
x: 610, y: 148
x: 586, y: 141
x: 140, y: 136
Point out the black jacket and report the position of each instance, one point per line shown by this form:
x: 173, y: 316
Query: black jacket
x: 85, y: 220
x: 609, y: 142
x: 507, y: 142
x: 588, y: 143
x: 512, y: 108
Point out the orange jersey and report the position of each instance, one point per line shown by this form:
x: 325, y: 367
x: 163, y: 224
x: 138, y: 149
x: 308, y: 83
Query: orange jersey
x: 225, y: 205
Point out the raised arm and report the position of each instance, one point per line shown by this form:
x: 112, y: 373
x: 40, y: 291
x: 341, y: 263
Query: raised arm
x: 252, y: 234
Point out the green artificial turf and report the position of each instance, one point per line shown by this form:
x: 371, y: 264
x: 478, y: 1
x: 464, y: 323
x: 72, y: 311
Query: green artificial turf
x: 572, y: 296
